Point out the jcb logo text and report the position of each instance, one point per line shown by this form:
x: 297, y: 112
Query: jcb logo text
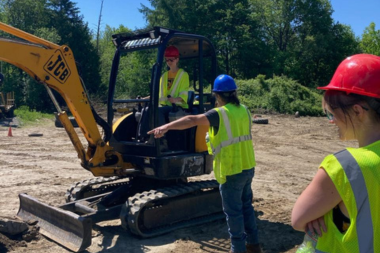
x: 57, y: 67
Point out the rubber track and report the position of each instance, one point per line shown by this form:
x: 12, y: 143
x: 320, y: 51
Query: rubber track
x: 139, y: 201
x: 76, y: 190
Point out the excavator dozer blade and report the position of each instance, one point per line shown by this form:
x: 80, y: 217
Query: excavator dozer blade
x: 64, y: 227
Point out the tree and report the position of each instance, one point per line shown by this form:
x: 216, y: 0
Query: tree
x: 27, y: 15
x: 227, y: 23
x: 98, y: 28
x: 64, y: 16
x: 370, y: 42
x: 304, y: 41
x: 134, y: 70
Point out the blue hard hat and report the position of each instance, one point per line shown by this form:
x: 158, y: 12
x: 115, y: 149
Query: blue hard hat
x: 224, y: 83
x: 196, y: 97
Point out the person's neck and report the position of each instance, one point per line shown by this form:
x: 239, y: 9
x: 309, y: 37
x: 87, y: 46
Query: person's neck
x: 221, y: 103
x: 368, y: 139
x: 174, y: 69
x: 367, y: 133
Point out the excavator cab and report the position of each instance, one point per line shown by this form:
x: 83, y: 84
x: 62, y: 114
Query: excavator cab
x: 198, y: 58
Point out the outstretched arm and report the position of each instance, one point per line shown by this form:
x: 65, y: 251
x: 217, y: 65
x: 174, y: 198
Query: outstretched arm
x: 181, y: 124
x: 319, y: 197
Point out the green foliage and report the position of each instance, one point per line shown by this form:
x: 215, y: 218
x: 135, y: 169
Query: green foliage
x: 304, y: 41
x: 66, y: 19
x: 370, y: 43
x: 134, y: 69
x: 106, y: 53
x: 279, y: 94
x: 253, y: 38
x: 57, y: 21
x: 228, y: 24
x: 48, y: 33
x: 136, y: 74
x: 296, y: 38
x: 27, y: 15
x: 28, y: 116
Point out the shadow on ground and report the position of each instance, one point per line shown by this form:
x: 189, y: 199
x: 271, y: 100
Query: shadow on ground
x: 212, y: 237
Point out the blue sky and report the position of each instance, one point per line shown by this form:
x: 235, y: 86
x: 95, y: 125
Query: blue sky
x: 357, y: 14
x: 115, y: 13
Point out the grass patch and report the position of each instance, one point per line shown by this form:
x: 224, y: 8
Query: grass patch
x: 31, y: 117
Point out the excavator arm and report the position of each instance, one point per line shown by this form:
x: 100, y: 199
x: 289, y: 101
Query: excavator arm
x: 54, y: 67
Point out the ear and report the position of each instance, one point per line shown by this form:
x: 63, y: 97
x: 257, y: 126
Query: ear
x: 359, y: 111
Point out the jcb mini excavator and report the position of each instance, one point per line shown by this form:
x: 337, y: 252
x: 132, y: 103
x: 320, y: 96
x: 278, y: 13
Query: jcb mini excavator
x: 145, y: 186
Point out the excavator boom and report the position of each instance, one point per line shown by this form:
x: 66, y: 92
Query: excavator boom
x: 54, y: 66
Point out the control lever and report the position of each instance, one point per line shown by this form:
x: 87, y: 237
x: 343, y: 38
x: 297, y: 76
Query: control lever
x: 138, y: 113
x: 139, y: 107
x: 175, y: 108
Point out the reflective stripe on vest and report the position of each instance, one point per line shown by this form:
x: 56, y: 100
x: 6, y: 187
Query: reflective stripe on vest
x: 163, y: 98
x: 250, y: 121
x: 176, y: 84
x: 230, y: 140
x: 364, y: 227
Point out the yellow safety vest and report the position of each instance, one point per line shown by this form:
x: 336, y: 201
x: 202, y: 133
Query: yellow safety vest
x: 232, y: 145
x: 180, y: 88
x: 355, y: 173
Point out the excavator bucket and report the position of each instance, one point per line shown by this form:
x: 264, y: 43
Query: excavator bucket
x: 64, y: 227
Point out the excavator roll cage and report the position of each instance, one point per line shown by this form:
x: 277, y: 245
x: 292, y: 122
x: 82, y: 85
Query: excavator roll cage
x: 190, y: 46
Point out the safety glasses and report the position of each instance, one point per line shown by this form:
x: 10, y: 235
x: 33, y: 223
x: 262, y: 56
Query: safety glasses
x: 329, y: 115
x: 170, y: 60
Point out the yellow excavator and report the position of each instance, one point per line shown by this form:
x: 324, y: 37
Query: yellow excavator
x: 139, y: 182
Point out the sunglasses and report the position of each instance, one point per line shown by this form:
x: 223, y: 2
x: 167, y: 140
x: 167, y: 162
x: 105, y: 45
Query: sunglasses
x: 330, y: 116
x: 170, y: 60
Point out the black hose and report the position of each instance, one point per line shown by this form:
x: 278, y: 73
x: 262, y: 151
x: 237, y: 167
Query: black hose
x: 101, y: 122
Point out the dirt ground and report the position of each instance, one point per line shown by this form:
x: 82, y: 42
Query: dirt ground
x: 288, y: 152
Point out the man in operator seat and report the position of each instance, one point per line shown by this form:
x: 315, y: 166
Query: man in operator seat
x: 174, y: 87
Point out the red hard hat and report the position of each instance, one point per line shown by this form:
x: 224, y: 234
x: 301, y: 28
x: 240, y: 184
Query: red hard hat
x: 171, y: 51
x: 358, y: 74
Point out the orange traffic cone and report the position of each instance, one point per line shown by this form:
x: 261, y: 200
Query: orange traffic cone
x: 10, y: 132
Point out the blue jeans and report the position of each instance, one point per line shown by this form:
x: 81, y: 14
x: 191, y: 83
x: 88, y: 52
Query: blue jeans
x: 237, y: 196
